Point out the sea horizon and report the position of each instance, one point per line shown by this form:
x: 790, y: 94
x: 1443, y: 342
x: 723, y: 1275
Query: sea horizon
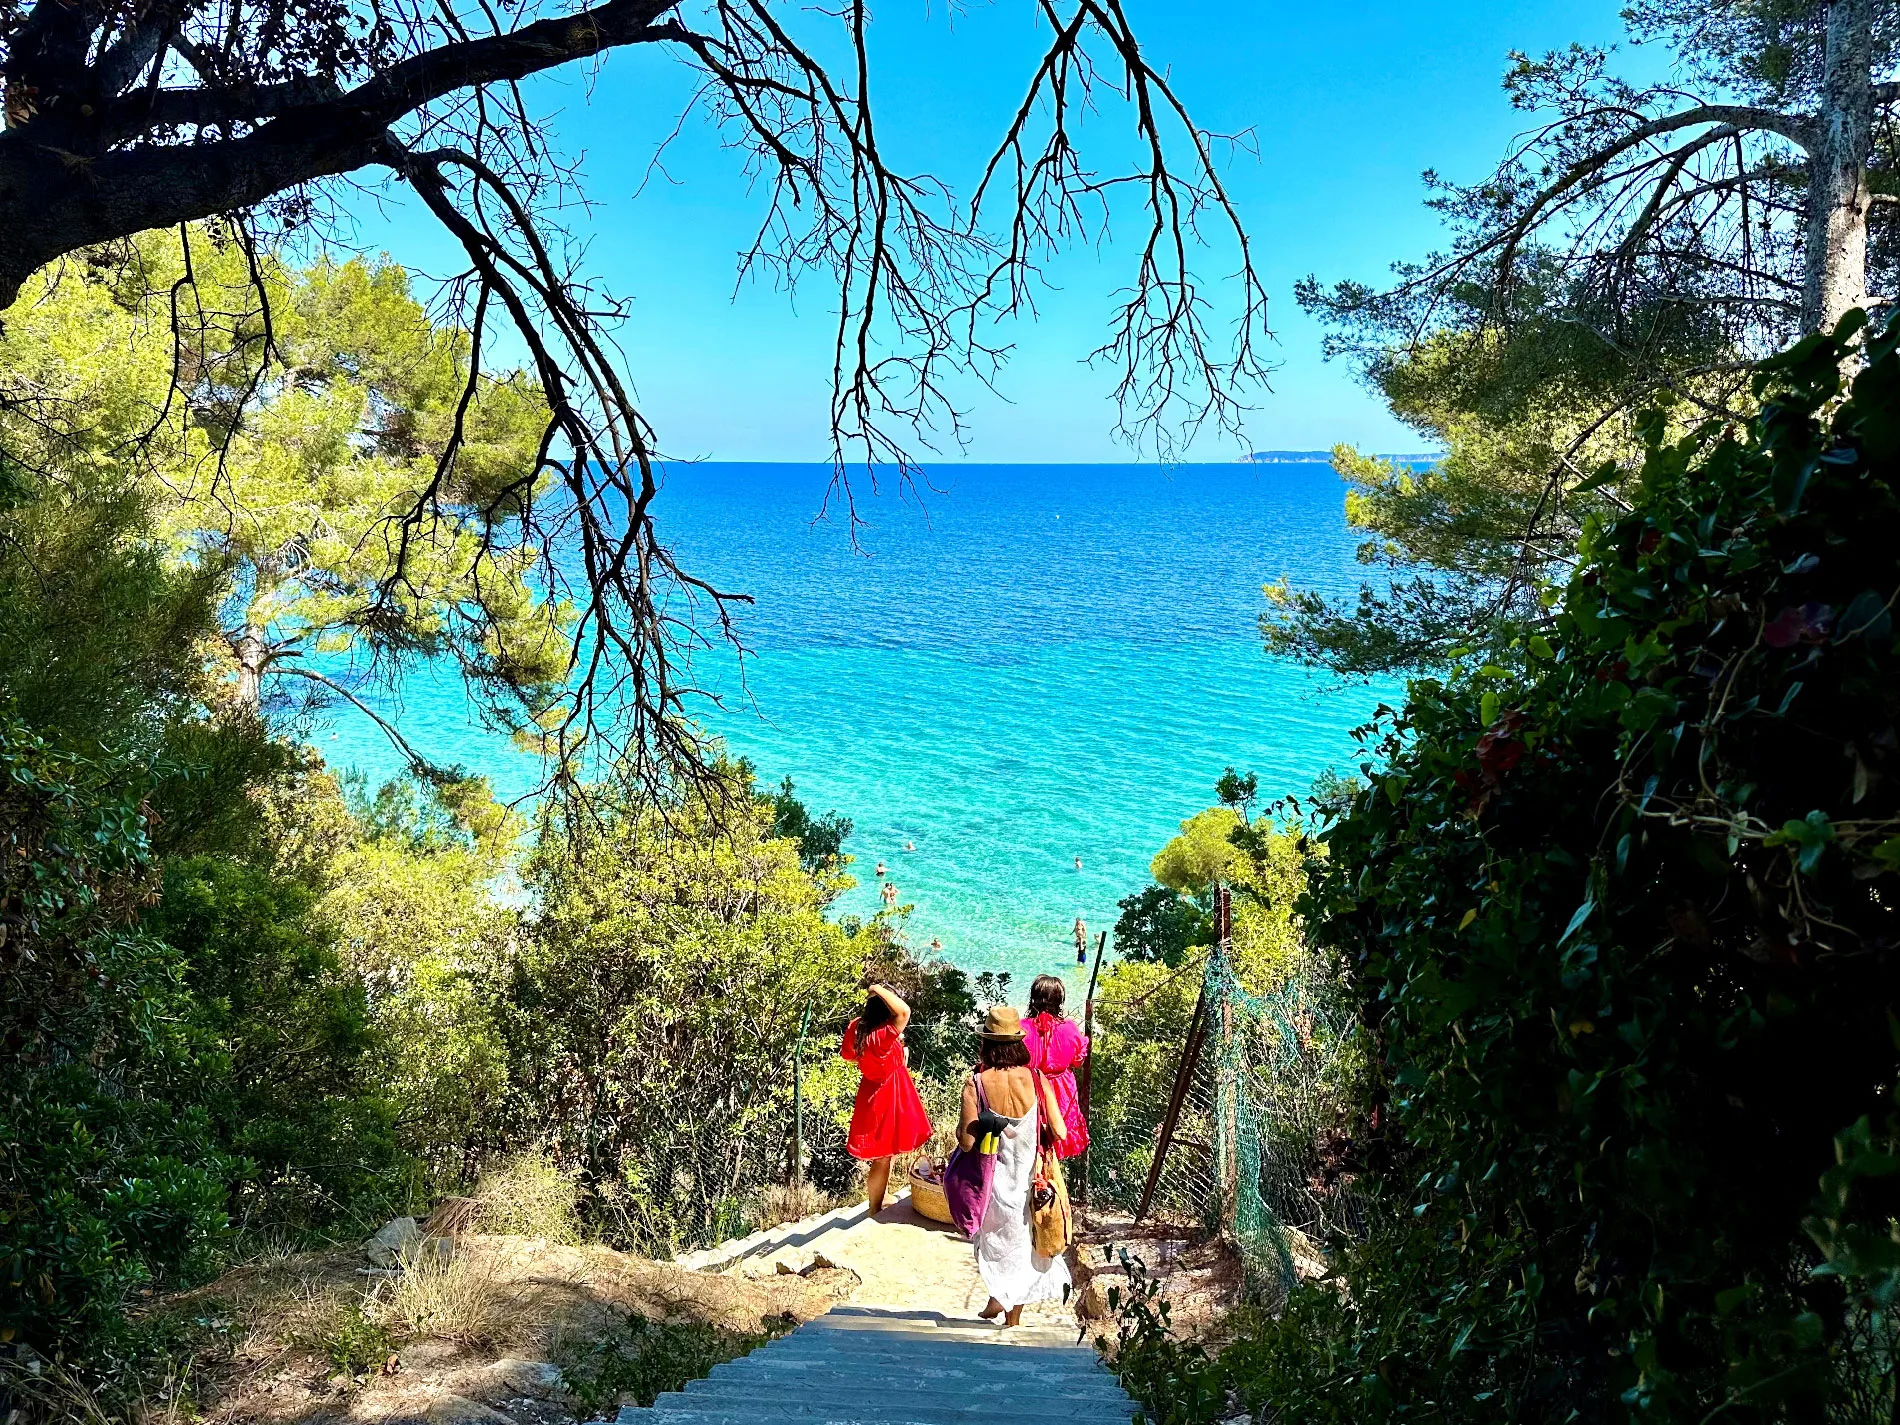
x: 1034, y: 663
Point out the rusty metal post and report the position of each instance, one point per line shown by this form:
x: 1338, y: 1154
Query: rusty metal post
x: 1183, y: 1077
x: 1088, y: 1063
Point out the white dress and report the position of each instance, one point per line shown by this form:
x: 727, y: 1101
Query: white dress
x: 1005, y: 1244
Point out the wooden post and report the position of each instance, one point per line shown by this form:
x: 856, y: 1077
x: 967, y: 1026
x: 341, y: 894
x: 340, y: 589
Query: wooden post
x: 1183, y: 1077
x: 798, y: 1102
x: 1088, y: 1064
x: 1226, y: 1089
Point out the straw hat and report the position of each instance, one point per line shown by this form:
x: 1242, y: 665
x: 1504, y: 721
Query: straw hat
x: 1002, y: 1022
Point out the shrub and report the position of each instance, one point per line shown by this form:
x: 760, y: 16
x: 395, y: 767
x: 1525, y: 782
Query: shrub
x: 110, y: 1178
x: 1622, y: 922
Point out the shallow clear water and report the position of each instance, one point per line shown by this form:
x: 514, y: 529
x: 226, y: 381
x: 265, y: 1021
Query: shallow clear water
x: 1033, y: 663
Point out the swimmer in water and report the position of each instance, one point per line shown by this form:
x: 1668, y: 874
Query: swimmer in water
x: 936, y: 946
x: 880, y: 868
x: 890, y: 893
x: 1078, y: 862
x: 910, y: 845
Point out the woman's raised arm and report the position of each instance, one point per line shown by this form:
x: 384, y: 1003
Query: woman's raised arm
x: 898, y: 1007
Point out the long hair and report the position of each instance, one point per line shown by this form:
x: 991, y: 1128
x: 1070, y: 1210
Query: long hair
x: 1046, y: 993
x: 876, y: 1015
x: 1002, y: 1053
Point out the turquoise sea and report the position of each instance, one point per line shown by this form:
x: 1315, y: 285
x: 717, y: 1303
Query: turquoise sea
x: 1025, y: 665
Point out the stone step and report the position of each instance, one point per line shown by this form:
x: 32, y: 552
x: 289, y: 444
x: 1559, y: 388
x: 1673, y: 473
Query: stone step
x: 897, y: 1350
x: 1033, y: 1333
x: 862, y: 1366
x: 946, y: 1383
x: 1009, y: 1371
x: 1054, y: 1405
x: 1006, y: 1372
x: 841, y: 1413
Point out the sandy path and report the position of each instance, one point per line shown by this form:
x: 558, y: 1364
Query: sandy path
x: 907, y: 1262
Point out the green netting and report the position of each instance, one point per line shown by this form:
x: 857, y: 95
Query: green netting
x: 1247, y: 1158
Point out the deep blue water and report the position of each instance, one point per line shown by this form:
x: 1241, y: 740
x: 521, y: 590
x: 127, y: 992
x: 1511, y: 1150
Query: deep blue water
x: 1030, y: 664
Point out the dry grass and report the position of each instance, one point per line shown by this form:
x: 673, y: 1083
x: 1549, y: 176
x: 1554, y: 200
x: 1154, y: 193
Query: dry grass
x: 44, y: 1390
x: 308, y: 1344
x: 791, y: 1204
x: 450, y: 1296
x: 528, y: 1196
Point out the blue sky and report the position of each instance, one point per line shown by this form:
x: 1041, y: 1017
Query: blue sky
x: 1348, y: 103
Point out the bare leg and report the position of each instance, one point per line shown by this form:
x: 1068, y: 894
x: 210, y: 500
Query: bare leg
x: 1015, y: 1317
x: 875, y: 1182
x: 993, y: 1310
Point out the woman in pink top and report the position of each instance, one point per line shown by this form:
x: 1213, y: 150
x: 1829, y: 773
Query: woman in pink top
x: 1056, y: 1046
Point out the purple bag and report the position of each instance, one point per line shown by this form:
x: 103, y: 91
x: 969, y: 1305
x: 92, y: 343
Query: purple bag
x: 967, y: 1177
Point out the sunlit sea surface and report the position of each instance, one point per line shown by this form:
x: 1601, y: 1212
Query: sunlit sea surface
x: 1030, y: 664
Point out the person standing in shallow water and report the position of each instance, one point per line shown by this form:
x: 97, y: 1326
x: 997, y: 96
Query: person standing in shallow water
x: 1056, y: 1046
x: 888, y: 1117
x: 1003, y: 1083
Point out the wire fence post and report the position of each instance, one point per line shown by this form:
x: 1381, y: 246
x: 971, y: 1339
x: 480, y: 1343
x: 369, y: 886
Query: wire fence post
x: 1088, y: 1063
x: 798, y: 1102
x: 1227, y: 1087
x: 1183, y: 1078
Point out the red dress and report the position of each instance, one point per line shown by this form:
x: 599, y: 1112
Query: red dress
x: 888, y: 1117
x: 1056, y: 1046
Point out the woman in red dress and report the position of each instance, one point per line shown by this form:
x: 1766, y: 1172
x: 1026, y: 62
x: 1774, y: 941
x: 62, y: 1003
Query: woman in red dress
x: 888, y: 1117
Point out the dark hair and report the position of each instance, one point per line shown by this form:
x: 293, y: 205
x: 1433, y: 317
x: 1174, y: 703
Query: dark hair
x: 877, y: 1013
x: 1045, y: 996
x: 1002, y: 1054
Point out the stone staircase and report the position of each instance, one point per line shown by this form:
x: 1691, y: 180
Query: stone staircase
x: 864, y: 1366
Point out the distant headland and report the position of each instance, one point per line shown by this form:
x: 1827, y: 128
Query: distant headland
x: 1310, y: 457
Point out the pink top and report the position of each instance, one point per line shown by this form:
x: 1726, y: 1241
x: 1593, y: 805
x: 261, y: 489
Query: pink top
x: 1056, y: 1046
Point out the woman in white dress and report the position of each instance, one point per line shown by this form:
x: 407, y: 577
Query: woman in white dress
x: 1005, y: 1246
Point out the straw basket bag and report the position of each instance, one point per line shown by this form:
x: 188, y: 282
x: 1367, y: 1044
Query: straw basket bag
x: 926, y: 1194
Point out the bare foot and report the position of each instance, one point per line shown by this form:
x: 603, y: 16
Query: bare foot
x: 1015, y: 1317
x: 991, y: 1311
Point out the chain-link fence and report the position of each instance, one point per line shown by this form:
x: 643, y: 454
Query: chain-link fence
x: 1217, y: 1108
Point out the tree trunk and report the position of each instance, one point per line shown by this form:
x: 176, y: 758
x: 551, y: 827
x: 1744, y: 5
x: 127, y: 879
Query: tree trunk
x: 1835, y: 280
x: 252, y: 653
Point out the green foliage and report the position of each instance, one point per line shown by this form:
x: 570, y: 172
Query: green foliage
x: 1160, y: 925
x: 284, y: 1038
x: 1238, y: 792
x: 1203, y: 853
x: 1619, y: 912
x: 180, y: 1039
x: 320, y: 403
x: 528, y: 1196
x: 657, y: 1001
x: 108, y: 1181
x: 1174, y: 1381
x: 411, y: 893
x: 352, y: 1343
x: 1574, y: 292
x: 820, y: 839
